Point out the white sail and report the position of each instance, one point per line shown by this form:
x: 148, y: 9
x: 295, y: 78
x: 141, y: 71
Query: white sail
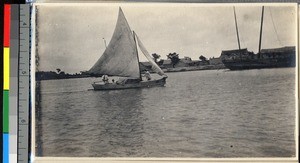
x: 155, y: 67
x: 120, y: 57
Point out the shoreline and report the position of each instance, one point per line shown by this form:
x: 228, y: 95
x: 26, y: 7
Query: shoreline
x: 166, y: 70
x: 169, y: 70
x: 197, y: 68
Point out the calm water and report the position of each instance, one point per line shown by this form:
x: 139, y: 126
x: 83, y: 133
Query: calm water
x: 198, y: 114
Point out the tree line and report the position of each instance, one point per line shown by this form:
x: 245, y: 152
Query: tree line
x: 174, y: 57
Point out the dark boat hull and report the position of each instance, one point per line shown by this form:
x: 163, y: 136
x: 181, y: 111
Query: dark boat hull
x: 141, y: 84
x: 241, y: 59
x: 259, y: 63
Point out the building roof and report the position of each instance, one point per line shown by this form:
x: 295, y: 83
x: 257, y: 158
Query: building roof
x: 282, y: 49
x: 167, y: 62
x: 230, y: 52
x: 185, y: 60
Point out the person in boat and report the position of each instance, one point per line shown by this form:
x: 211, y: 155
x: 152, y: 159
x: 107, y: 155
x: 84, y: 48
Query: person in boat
x: 105, y: 79
x: 147, y: 75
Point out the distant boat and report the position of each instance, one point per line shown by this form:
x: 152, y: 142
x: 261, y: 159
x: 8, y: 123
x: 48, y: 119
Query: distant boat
x: 241, y: 59
x: 121, y: 59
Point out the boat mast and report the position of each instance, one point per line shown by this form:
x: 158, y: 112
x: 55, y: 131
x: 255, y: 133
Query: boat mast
x: 261, y: 28
x: 137, y: 55
x: 236, y: 27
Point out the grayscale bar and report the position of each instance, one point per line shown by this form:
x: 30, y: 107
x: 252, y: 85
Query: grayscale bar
x: 13, y: 92
x: 23, y: 100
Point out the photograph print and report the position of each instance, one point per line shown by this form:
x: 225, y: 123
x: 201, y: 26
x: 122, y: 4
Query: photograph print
x: 165, y: 80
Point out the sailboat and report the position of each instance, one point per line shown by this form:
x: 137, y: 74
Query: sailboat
x: 121, y: 59
x: 241, y: 59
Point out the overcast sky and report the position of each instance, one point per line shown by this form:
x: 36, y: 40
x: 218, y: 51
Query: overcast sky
x: 70, y: 36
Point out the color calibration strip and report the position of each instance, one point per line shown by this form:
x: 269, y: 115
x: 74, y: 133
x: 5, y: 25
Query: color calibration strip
x: 6, y: 49
x: 15, y: 113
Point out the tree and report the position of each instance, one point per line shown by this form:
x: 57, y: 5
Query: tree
x: 202, y: 58
x: 156, y: 57
x: 58, y: 70
x: 174, y: 57
x: 160, y: 62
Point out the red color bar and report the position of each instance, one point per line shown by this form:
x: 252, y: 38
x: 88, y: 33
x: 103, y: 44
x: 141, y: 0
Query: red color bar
x: 6, y: 37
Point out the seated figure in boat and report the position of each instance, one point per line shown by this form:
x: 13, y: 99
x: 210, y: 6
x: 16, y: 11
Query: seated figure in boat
x: 147, y: 75
x: 105, y: 79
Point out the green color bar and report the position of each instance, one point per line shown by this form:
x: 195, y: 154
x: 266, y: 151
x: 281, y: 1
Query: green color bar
x: 5, y: 110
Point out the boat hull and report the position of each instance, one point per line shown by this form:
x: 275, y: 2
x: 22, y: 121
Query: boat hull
x: 141, y: 84
x: 259, y: 63
x: 268, y: 58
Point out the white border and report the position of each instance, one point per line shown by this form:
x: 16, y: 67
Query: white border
x: 32, y: 83
x: 169, y: 159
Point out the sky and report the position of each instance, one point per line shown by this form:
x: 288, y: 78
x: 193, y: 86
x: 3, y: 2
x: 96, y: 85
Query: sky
x: 71, y: 36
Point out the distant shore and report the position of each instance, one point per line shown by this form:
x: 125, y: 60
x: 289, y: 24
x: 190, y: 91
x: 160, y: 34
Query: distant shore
x: 51, y: 75
x: 196, y: 68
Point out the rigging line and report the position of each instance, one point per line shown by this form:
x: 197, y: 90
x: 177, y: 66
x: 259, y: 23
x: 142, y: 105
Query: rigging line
x: 236, y: 27
x: 275, y: 27
x: 242, y: 41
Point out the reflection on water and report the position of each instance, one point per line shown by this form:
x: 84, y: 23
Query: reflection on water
x: 198, y: 114
x: 113, y: 127
x: 120, y: 129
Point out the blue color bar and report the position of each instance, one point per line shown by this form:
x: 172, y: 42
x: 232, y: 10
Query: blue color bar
x: 5, y: 148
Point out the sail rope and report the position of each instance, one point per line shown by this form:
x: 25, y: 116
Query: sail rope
x: 155, y: 67
x: 243, y: 44
x: 275, y: 27
x: 239, y: 36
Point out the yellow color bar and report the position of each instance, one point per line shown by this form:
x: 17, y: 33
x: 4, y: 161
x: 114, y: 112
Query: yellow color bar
x: 6, y: 69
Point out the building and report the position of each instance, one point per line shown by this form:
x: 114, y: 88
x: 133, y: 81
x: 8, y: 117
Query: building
x: 183, y: 62
x: 284, y: 52
x: 215, y: 61
x: 237, y: 54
